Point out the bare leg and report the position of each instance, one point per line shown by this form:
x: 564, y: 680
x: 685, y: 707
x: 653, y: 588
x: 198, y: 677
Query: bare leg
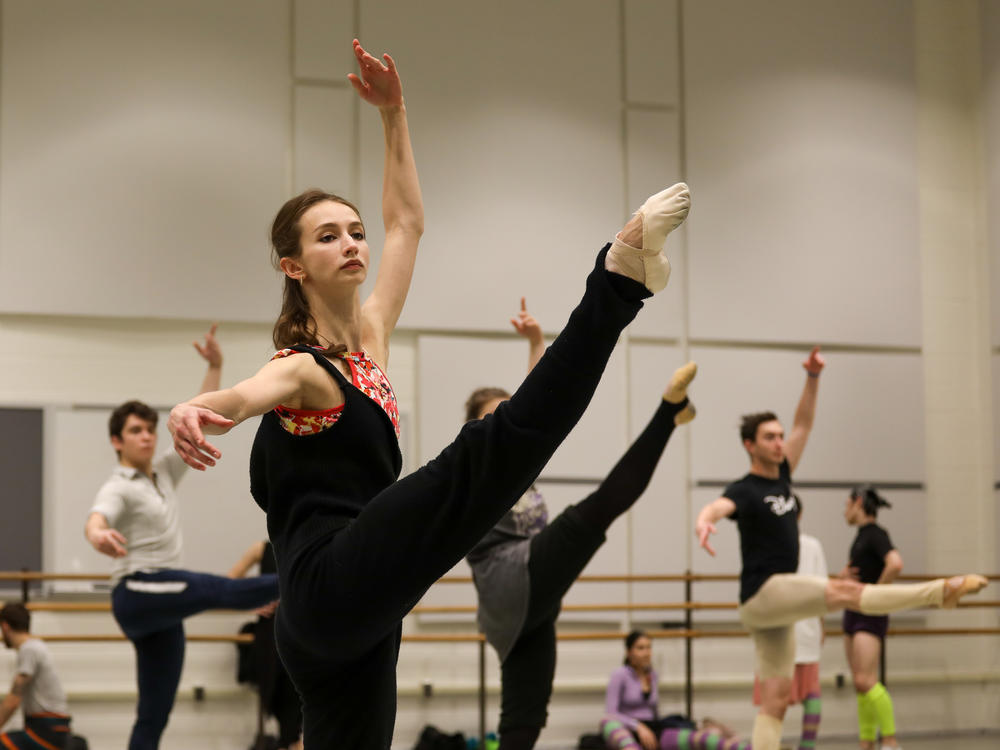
x: 849, y: 651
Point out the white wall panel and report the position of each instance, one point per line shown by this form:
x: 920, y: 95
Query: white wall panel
x: 450, y: 368
x: 324, y: 139
x: 143, y: 149
x: 653, y: 152
x: 659, y: 519
x: 652, y: 70
x: 995, y: 359
x: 517, y: 134
x: 801, y: 155
x: 989, y: 19
x: 869, y: 417
x: 323, y: 33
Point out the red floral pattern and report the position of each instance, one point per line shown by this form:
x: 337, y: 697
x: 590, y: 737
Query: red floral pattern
x: 366, y: 376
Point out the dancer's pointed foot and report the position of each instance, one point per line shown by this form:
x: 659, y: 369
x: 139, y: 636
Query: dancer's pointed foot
x: 639, y: 256
x: 958, y: 586
x: 676, y: 392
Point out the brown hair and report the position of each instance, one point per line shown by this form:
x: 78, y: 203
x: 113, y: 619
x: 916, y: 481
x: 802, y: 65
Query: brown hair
x: 116, y: 423
x: 750, y: 423
x: 479, y: 398
x: 295, y: 323
x: 16, y: 616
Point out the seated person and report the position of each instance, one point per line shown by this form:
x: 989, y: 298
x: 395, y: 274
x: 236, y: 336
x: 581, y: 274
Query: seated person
x: 36, y: 688
x: 632, y: 719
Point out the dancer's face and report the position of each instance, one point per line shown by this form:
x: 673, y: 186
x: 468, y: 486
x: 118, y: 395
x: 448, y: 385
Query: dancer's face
x: 854, y: 512
x: 490, y: 406
x: 137, y: 443
x: 334, y: 249
x: 769, y: 445
x: 640, y: 656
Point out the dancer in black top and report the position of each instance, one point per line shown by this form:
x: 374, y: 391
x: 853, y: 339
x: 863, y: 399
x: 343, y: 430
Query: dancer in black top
x: 772, y: 596
x: 355, y: 548
x: 524, y: 566
x: 873, y: 559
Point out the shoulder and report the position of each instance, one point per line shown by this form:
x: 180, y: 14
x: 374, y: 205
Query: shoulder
x: 785, y: 471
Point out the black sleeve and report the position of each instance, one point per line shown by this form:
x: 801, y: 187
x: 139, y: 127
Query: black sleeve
x: 735, y: 493
x: 785, y: 471
x: 881, y: 544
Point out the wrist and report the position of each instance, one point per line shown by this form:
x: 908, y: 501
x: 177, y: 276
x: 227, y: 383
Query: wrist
x: 392, y: 110
x: 812, y: 374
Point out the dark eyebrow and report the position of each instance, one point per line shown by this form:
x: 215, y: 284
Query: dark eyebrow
x: 333, y: 225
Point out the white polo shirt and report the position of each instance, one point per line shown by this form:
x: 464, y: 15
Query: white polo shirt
x: 145, y: 511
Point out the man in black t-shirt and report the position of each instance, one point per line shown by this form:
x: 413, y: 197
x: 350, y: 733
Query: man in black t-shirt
x: 772, y: 596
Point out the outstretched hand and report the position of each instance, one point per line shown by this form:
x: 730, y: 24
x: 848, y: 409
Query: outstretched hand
x: 185, y: 424
x: 109, y: 542
x: 210, y: 350
x: 814, y: 363
x: 526, y: 325
x: 704, y: 531
x: 379, y: 83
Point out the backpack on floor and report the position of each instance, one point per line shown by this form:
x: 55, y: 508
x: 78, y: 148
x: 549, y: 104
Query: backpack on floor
x: 76, y: 742
x: 432, y: 738
x: 591, y: 742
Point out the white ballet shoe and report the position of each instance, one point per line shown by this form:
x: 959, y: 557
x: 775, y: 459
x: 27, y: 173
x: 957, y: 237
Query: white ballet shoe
x: 677, y: 391
x: 661, y: 214
x: 957, y: 587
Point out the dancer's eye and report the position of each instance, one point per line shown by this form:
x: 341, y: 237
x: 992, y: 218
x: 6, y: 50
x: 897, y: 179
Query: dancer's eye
x: 358, y: 235
x: 328, y: 238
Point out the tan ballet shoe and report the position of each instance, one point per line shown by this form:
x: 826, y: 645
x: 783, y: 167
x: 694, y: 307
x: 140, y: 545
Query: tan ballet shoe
x: 661, y: 214
x: 958, y: 586
x: 677, y: 391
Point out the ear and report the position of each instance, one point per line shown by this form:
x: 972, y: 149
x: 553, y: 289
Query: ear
x: 292, y: 268
x: 747, y: 444
x: 117, y: 443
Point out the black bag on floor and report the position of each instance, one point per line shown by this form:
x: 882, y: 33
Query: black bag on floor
x: 591, y: 742
x: 432, y: 738
x: 76, y: 742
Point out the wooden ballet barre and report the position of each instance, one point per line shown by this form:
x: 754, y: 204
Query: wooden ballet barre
x: 104, y: 606
x: 101, y: 637
x: 456, y: 609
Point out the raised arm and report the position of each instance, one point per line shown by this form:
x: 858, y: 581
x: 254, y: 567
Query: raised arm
x: 710, y: 515
x: 211, y: 352
x: 402, y: 205
x: 526, y: 326
x: 280, y: 381
x: 806, y: 410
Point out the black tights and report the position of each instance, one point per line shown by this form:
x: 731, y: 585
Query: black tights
x: 558, y: 554
x: 338, y: 627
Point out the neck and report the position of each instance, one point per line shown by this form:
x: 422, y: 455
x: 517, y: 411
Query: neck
x: 17, y: 639
x: 145, y: 467
x: 765, y: 469
x: 338, y: 319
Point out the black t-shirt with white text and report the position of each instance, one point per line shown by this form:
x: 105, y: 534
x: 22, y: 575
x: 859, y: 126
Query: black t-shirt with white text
x: 868, y: 552
x: 769, y: 530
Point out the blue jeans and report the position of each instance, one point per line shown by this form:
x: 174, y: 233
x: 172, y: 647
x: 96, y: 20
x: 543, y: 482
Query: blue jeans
x: 150, y: 609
